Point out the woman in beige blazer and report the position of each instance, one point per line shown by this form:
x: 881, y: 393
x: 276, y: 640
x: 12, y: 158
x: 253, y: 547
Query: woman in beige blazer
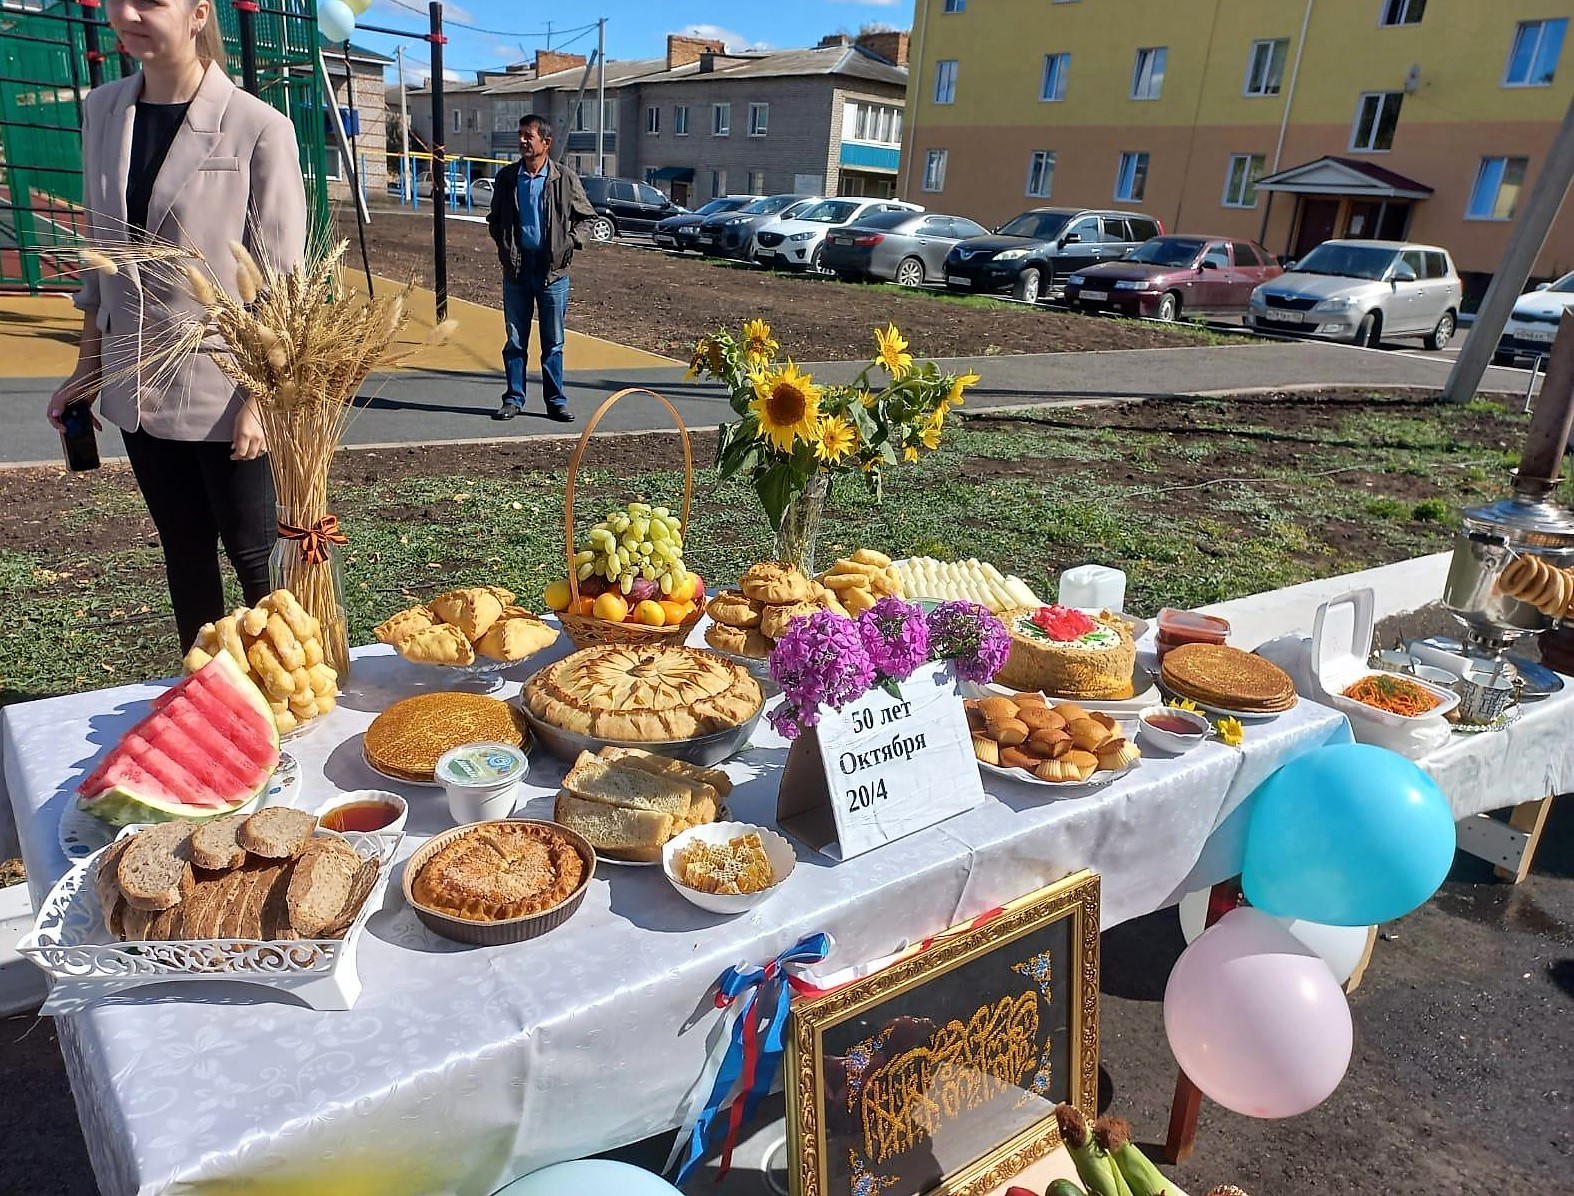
x: 177, y: 152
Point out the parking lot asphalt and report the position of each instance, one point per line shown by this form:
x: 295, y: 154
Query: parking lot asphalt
x: 417, y: 407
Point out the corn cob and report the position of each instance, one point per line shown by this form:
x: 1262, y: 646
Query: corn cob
x: 1141, y: 1176
x: 1094, y: 1166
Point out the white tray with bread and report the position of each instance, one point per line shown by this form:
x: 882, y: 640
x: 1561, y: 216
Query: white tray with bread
x: 268, y: 899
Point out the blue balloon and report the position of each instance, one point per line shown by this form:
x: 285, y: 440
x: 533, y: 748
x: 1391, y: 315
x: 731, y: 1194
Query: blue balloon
x: 590, y: 1177
x: 1347, y: 835
x: 336, y: 19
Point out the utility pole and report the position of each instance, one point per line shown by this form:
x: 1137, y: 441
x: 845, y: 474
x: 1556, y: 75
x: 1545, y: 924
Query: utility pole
x: 1531, y: 226
x: 601, y: 93
x: 406, y: 187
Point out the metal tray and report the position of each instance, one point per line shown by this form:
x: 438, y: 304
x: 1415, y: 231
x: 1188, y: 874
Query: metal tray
x: 704, y: 750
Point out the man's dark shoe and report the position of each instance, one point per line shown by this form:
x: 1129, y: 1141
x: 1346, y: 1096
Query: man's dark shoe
x: 506, y: 411
x: 560, y: 415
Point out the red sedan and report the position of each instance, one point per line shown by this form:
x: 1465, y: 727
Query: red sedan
x: 1168, y: 276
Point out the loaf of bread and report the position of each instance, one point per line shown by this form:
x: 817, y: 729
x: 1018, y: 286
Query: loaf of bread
x: 629, y: 802
x: 619, y: 831
x: 620, y: 783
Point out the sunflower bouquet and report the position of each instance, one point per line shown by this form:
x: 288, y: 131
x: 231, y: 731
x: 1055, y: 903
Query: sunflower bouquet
x: 794, y: 436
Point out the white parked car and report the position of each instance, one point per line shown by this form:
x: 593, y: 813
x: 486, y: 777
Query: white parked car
x: 1534, y: 321
x: 798, y: 242
x: 481, y: 192
x: 454, y: 186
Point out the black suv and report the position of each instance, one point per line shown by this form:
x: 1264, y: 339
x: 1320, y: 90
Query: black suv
x: 1032, y: 255
x: 624, y: 206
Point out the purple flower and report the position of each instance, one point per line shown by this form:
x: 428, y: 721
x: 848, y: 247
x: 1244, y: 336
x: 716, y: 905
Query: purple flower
x: 788, y: 721
x: 821, y: 661
x: 895, y: 636
x: 969, y: 635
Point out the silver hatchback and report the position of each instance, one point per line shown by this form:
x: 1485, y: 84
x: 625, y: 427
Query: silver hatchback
x: 1363, y: 293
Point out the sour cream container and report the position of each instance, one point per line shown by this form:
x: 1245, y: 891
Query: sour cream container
x: 482, y: 780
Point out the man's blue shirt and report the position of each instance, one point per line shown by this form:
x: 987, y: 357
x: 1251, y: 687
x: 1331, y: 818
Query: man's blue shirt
x: 532, y: 215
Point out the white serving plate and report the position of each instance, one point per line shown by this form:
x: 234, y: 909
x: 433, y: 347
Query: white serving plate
x: 1098, y: 780
x: 1245, y: 716
x: 388, y: 776
x: 81, y: 834
x: 70, y: 942
x: 1144, y: 693
x: 780, y: 853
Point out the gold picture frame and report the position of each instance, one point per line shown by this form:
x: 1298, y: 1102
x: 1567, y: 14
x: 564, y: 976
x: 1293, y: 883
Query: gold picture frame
x: 990, y: 1055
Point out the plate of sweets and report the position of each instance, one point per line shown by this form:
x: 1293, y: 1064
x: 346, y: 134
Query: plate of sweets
x: 1060, y: 746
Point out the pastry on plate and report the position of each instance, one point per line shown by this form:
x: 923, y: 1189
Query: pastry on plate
x: 774, y: 582
x: 1068, y: 654
x: 777, y: 620
x: 735, y: 609
x: 515, y: 638
x: 406, y: 740
x: 403, y: 624
x: 442, y: 644
x: 471, y: 610
x: 499, y: 871
x: 737, y: 642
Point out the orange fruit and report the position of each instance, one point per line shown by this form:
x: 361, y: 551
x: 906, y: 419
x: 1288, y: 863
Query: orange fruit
x: 587, y: 606
x: 676, y: 612
x: 611, y: 607
x: 650, y: 613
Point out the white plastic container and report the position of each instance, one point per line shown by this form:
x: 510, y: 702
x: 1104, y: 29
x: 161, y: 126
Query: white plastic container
x: 1093, y: 587
x: 482, y: 780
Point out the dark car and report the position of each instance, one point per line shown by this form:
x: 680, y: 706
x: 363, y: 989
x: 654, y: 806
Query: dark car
x: 681, y: 232
x: 1170, y: 275
x: 909, y: 248
x: 732, y: 234
x: 1032, y: 255
x: 624, y: 206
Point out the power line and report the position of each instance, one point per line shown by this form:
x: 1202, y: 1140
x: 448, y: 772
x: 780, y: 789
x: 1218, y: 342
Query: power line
x: 494, y: 32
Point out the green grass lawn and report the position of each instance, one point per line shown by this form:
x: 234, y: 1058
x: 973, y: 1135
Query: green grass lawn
x: 1225, y: 503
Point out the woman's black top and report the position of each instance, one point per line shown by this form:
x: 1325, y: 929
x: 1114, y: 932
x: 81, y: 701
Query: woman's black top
x: 152, y: 129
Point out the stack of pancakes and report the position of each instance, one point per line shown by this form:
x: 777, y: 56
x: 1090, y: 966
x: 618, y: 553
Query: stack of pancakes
x: 1226, y: 678
x: 406, y: 740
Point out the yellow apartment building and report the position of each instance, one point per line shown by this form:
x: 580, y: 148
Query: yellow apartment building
x: 1286, y: 121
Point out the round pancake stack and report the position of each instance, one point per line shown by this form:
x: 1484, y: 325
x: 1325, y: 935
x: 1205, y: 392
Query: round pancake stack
x: 406, y: 740
x: 1226, y: 678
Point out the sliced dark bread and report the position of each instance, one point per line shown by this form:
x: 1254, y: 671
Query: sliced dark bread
x: 221, y: 893
x: 107, y: 885
x: 248, y: 881
x: 213, y: 845
x: 165, y: 926
x: 320, y: 885
x: 277, y: 833
x: 274, y: 925
x: 360, y: 889
x: 259, y: 887
x: 155, y: 871
x: 134, y: 923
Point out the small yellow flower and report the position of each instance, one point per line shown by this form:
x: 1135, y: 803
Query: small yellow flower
x: 837, y: 439
x: 868, y: 398
x: 707, y: 357
x: 1184, y: 704
x: 892, y: 353
x: 759, y: 346
x: 909, y: 454
x: 958, y: 385
x: 930, y: 436
x: 1230, y: 731
x: 787, y: 405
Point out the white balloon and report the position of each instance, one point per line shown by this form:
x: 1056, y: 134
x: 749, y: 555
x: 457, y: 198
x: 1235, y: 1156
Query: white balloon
x: 1340, y: 947
x: 336, y: 20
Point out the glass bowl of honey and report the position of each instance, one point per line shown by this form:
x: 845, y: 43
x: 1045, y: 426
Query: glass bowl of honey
x: 364, y: 810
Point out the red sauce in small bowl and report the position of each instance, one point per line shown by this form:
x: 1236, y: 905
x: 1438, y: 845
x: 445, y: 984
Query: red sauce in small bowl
x: 359, y: 816
x: 1174, y: 724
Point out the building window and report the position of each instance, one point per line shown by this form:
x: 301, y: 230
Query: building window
x: 1147, y: 77
x: 945, y: 81
x: 1041, y: 173
x: 475, y: 120
x: 1496, y: 193
x: 1131, y: 180
x: 718, y: 183
x: 721, y: 120
x: 1240, y: 183
x: 874, y: 123
x: 1265, y: 68
x: 934, y: 170
x: 759, y: 119
x: 680, y: 121
x: 1056, y: 68
x: 756, y: 182
x: 955, y: 6
x: 458, y: 120
x: 1402, y: 12
x: 1376, y: 118
x: 653, y: 120
x: 1533, y: 61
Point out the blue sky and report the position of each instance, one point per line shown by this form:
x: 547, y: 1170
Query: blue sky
x: 635, y: 28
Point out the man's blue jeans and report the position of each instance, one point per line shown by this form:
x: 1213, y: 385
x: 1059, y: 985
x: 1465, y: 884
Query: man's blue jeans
x: 531, y: 296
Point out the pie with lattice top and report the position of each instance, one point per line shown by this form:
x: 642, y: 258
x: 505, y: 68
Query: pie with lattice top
x: 500, y: 870
x: 643, y: 694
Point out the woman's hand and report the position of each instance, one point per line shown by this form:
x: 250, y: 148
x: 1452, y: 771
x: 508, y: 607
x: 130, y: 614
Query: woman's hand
x: 81, y: 387
x: 249, y: 441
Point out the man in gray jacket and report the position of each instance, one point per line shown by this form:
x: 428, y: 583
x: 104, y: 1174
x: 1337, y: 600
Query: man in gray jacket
x: 537, y: 208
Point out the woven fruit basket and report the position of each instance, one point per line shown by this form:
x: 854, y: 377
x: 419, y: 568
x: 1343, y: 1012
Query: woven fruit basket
x: 585, y: 631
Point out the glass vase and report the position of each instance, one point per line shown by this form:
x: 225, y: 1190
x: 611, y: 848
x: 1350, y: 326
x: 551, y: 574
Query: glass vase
x: 800, y: 526
x: 312, y: 568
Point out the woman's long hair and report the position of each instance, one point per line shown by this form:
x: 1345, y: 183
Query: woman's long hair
x: 210, y: 41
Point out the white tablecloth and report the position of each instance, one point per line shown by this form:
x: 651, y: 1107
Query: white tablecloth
x: 461, y: 1068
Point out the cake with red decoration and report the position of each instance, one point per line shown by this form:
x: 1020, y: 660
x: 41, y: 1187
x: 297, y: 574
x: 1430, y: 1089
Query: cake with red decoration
x: 1066, y: 653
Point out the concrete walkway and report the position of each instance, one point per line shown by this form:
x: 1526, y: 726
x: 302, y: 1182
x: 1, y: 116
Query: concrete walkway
x: 419, y: 406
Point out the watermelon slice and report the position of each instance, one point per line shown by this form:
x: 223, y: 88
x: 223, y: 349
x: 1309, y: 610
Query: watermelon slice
x: 206, y: 747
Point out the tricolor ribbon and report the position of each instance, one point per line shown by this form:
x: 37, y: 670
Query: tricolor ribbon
x: 316, y: 538
x: 755, y: 1046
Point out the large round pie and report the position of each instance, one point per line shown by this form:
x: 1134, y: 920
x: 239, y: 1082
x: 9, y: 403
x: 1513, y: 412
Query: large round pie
x: 643, y: 694
x: 500, y: 870
x: 406, y: 739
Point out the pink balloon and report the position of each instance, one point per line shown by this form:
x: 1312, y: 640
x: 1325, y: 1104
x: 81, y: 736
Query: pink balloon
x: 1256, y: 1019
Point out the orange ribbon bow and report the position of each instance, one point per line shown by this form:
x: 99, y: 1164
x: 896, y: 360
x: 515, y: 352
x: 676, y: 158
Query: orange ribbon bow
x: 315, y: 539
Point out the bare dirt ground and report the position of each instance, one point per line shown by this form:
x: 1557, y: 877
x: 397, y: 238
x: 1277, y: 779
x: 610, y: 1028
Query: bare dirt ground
x: 653, y: 300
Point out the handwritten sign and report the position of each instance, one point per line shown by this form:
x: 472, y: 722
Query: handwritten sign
x: 940, y: 1073
x: 882, y: 767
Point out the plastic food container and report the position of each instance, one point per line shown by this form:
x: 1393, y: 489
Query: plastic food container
x: 1093, y: 587
x: 1177, y: 627
x: 482, y: 780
